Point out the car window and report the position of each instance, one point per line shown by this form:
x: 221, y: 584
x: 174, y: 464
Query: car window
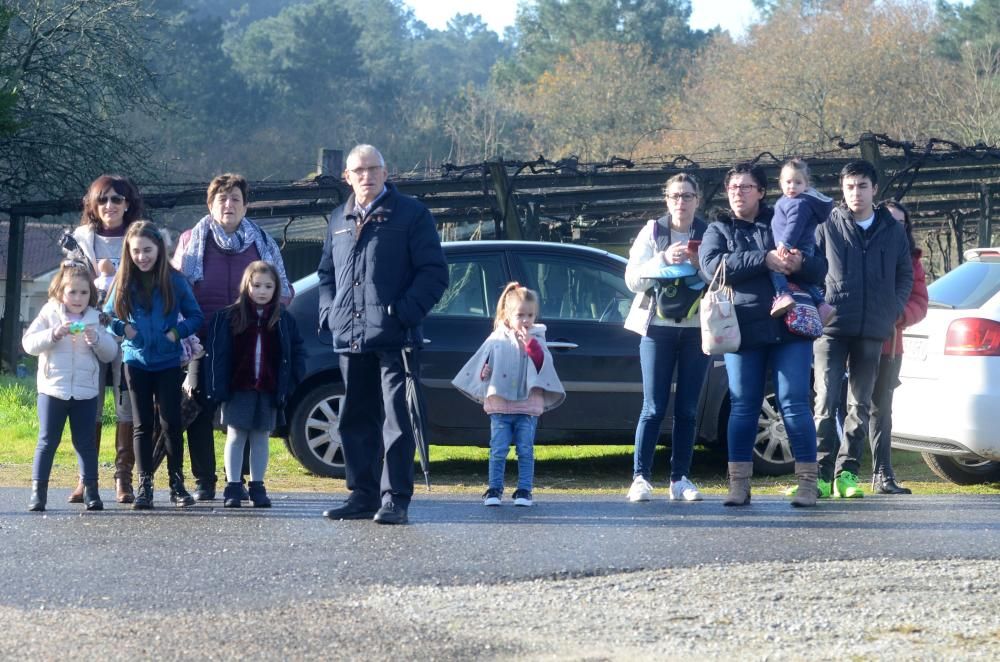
x: 576, y: 290
x: 969, y: 285
x: 474, y: 283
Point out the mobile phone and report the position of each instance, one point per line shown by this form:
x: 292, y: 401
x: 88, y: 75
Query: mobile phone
x: 693, y: 245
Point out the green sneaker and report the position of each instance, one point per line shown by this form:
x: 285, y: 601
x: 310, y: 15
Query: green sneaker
x: 824, y: 487
x: 845, y: 486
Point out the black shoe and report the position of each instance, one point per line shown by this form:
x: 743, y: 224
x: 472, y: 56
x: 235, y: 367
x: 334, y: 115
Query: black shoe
x: 887, y: 485
x: 178, y: 495
x: 204, y: 491
x: 351, y: 509
x: 523, y: 498
x: 144, y: 495
x: 391, y: 513
x: 39, y: 495
x: 231, y: 496
x: 258, y: 495
x: 91, y: 498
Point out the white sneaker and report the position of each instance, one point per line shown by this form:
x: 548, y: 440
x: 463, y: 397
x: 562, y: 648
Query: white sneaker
x: 641, y: 490
x: 684, y: 490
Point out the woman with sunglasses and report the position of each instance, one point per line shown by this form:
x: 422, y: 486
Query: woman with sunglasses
x: 111, y: 204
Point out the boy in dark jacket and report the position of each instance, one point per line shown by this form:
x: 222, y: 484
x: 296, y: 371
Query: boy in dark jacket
x: 868, y: 282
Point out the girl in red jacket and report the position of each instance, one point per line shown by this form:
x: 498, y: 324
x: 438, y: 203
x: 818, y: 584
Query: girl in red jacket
x: 880, y: 422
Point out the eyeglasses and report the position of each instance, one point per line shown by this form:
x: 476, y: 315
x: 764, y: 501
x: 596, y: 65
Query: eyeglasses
x: 742, y: 188
x: 371, y: 170
x: 686, y: 197
x: 114, y: 199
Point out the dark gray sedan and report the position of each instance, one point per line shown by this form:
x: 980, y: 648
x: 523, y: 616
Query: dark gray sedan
x: 583, y: 299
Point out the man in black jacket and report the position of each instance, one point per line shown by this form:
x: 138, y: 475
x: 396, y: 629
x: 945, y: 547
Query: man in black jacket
x: 869, y: 279
x: 381, y: 272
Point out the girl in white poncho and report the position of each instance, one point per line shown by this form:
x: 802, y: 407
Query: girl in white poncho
x: 513, y: 376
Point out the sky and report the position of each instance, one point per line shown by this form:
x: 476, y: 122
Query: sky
x: 732, y: 15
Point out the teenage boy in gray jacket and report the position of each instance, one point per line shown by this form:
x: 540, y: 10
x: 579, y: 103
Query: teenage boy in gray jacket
x: 869, y: 279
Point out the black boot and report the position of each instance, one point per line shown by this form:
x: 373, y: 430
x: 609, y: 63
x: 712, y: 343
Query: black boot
x: 178, y: 495
x: 91, y: 499
x: 886, y: 484
x: 258, y: 495
x: 231, y: 495
x: 144, y: 495
x: 39, y: 495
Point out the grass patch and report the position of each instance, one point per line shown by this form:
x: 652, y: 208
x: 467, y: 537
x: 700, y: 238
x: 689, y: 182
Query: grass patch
x: 593, y: 469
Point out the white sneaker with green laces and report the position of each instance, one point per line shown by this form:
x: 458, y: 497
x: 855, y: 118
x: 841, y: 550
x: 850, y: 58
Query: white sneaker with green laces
x: 641, y: 490
x: 684, y: 490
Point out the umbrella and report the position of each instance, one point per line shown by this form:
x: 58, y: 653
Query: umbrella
x: 417, y: 411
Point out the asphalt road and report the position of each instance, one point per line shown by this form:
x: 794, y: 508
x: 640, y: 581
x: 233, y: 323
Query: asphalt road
x: 208, y: 560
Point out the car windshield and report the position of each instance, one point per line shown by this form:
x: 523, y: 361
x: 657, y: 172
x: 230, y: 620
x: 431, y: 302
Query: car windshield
x: 970, y: 285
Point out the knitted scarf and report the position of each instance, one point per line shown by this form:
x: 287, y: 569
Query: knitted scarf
x: 246, y: 235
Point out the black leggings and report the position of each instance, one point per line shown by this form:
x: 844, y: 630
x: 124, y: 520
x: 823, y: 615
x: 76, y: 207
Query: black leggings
x: 161, y: 388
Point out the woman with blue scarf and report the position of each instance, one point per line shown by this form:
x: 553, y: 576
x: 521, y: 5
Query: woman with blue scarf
x: 213, y: 256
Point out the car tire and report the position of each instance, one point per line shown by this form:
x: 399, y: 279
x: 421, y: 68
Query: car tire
x: 963, y: 472
x: 772, y: 452
x: 312, y: 434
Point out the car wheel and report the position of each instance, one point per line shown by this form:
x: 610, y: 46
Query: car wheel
x: 772, y: 452
x: 961, y: 471
x: 313, y: 436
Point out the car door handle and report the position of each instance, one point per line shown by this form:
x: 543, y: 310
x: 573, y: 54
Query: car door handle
x: 561, y: 344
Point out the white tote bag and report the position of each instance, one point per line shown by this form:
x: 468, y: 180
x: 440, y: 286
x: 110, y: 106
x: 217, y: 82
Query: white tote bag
x: 720, y: 332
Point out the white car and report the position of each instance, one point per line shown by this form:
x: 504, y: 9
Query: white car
x: 948, y: 405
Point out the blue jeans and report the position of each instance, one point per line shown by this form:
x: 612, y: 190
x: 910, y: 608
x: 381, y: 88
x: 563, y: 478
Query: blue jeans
x: 52, y: 415
x: 790, y: 364
x: 662, y: 349
x: 519, y: 428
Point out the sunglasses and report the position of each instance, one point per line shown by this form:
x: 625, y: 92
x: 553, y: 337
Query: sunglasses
x: 114, y: 199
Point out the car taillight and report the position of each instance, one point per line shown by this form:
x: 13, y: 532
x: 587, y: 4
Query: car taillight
x: 973, y: 336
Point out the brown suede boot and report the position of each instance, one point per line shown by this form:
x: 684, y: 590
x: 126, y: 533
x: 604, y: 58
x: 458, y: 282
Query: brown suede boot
x: 124, y: 462
x: 76, y: 496
x: 739, y: 484
x: 805, y: 496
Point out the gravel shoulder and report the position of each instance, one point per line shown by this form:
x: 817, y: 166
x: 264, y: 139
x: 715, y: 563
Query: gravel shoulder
x: 861, y: 609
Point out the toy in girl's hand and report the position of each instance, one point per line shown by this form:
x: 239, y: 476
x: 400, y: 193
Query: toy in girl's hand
x: 77, y: 327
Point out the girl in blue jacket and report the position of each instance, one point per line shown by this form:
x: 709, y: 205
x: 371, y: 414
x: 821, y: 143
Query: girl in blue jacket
x: 146, y: 302
x: 255, y: 359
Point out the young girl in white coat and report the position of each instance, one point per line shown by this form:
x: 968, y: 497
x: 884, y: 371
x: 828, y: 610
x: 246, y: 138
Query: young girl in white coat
x: 513, y: 376
x: 70, y: 343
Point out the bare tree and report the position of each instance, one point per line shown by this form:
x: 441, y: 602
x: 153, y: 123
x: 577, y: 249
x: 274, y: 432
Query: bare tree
x: 77, y: 70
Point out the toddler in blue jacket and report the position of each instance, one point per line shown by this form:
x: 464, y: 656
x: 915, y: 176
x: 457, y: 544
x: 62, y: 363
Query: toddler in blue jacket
x: 796, y: 215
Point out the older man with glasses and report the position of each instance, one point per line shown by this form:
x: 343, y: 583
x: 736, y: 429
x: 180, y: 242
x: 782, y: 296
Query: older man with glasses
x: 381, y: 272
